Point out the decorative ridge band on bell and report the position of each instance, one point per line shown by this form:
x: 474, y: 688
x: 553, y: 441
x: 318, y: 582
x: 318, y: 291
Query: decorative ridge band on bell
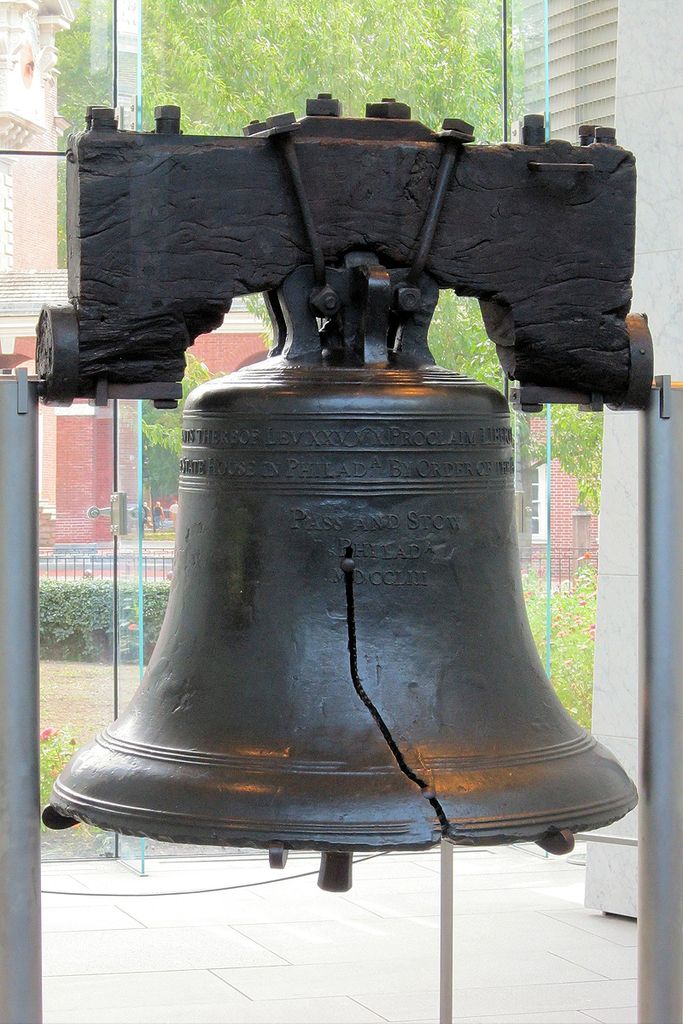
x: 295, y: 702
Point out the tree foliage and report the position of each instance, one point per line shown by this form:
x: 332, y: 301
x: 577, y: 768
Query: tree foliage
x: 229, y: 62
x: 577, y: 445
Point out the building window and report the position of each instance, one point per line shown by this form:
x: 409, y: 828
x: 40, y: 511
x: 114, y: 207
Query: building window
x: 539, y: 501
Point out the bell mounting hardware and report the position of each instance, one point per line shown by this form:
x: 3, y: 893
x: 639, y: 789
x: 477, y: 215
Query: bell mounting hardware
x: 165, y: 229
x: 345, y: 662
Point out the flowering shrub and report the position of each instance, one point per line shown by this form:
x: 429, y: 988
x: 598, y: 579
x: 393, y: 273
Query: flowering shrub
x: 56, y: 748
x: 572, y: 643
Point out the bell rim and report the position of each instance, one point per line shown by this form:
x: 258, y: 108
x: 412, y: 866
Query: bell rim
x: 485, y: 832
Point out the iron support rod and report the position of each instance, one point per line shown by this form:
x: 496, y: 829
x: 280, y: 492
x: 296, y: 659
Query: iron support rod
x: 446, y: 935
x: 431, y: 221
x: 292, y: 161
x: 660, y: 890
x: 20, y: 951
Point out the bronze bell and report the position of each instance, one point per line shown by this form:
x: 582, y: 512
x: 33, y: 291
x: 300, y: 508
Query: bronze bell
x: 346, y: 662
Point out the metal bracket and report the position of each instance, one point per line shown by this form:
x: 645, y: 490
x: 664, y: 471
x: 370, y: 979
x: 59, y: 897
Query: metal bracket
x: 532, y: 398
x: 119, y: 514
x: 117, y: 509
x: 21, y: 374
x: 164, y: 394
x: 375, y: 318
x: 539, y: 166
x: 663, y: 383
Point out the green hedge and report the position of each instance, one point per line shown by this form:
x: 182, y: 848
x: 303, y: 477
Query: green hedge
x: 76, y: 618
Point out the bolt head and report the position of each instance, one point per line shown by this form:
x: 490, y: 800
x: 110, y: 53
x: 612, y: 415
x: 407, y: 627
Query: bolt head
x: 458, y: 129
x: 167, y: 110
x: 323, y: 106
x: 389, y: 109
x: 167, y: 118
x: 281, y: 120
x: 103, y: 117
x: 608, y: 136
x: 407, y: 298
x: 533, y: 130
x: 324, y: 301
x: 253, y: 127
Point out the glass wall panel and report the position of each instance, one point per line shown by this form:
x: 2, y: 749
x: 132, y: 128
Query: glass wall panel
x: 130, y: 584
x: 75, y: 471
x: 76, y: 595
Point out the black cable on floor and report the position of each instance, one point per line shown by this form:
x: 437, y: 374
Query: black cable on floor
x: 199, y: 892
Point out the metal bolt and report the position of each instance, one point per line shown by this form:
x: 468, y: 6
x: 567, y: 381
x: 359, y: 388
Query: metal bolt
x: 254, y: 126
x: 608, y: 136
x: 407, y: 298
x: 389, y: 109
x: 167, y: 120
x: 347, y: 565
x: 103, y: 118
x: 586, y: 134
x: 324, y: 301
x: 533, y: 130
x: 323, y: 106
x: 281, y: 120
x: 458, y: 129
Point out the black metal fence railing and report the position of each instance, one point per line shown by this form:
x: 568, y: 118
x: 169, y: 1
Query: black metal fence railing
x: 157, y: 563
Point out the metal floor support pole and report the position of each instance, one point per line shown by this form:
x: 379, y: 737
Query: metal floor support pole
x: 660, y: 863
x: 446, y: 935
x: 20, y: 960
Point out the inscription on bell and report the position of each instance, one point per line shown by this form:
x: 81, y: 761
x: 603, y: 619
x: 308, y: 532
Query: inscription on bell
x: 370, y: 467
x: 365, y: 436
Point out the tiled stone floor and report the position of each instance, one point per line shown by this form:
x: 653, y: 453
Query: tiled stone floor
x: 526, y: 951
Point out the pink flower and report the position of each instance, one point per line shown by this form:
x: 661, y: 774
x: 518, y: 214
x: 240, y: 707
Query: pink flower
x: 48, y: 733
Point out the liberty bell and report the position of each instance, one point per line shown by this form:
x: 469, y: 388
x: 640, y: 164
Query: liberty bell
x: 346, y: 662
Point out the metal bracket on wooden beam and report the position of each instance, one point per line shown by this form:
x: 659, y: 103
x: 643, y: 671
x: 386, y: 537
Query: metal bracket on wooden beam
x: 532, y: 398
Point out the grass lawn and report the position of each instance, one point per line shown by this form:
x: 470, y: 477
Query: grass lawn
x: 77, y: 696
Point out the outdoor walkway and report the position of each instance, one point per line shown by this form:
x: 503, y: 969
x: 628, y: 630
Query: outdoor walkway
x: 526, y: 950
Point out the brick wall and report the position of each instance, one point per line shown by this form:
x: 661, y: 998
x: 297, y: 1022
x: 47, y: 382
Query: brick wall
x: 567, y: 524
x: 34, y: 202
x: 224, y: 352
x: 84, y: 454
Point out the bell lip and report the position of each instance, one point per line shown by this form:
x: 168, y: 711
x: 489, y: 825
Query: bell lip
x: 486, y: 833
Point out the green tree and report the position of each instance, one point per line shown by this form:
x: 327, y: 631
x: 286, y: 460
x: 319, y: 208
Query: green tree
x: 228, y: 62
x: 577, y: 445
x: 161, y: 433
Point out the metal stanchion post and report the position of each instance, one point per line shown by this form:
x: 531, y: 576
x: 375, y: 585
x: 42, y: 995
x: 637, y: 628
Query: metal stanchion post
x: 20, y: 960
x: 446, y: 936
x: 660, y: 873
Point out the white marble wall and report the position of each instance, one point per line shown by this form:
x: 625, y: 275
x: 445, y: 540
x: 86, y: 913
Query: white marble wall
x: 649, y: 121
